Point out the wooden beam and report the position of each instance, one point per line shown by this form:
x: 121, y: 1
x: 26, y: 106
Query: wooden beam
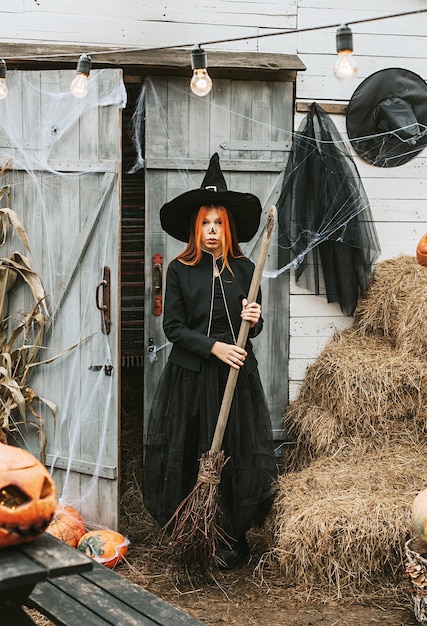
x: 328, y: 107
x: 19, y: 55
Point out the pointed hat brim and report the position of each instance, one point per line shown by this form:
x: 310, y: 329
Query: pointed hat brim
x: 176, y: 215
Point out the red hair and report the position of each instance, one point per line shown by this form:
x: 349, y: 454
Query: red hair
x: 230, y: 245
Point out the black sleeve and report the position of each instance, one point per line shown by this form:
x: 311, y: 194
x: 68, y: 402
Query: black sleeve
x: 175, y: 319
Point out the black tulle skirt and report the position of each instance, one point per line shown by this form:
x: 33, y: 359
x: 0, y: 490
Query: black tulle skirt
x: 180, y: 429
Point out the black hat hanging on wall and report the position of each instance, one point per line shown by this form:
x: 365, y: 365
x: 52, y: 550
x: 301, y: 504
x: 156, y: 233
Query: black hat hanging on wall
x: 176, y: 215
x: 387, y: 117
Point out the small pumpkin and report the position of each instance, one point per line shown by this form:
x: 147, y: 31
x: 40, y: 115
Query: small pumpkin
x: 104, y: 546
x: 419, y: 515
x: 422, y: 250
x: 27, y: 496
x: 67, y: 525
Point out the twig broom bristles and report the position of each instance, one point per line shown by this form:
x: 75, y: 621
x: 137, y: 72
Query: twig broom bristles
x: 195, y: 528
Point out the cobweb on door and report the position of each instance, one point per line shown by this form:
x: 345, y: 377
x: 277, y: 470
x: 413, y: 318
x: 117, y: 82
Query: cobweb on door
x: 326, y: 233
x: 48, y: 176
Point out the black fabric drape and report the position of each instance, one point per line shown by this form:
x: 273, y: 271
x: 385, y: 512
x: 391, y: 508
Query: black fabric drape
x: 324, y: 216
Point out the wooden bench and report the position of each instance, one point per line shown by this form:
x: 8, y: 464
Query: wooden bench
x: 101, y: 596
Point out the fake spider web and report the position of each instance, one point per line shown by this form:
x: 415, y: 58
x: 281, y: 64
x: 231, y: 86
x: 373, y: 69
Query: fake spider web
x: 50, y: 171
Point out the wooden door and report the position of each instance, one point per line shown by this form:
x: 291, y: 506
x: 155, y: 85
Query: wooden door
x: 64, y: 173
x: 248, y: 123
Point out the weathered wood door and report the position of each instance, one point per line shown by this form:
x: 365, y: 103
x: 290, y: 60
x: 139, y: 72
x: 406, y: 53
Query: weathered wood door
x: 248, y: 123
x: 64, y: 173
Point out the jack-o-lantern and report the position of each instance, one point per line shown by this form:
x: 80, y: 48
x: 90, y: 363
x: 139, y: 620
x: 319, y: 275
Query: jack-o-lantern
x: 67, y: 525
x: 422, y: 250
x: 27, y: 496
x: 104, y: 546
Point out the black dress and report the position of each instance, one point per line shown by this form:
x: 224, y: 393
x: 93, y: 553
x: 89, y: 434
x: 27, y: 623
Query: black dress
x: 180, y: 429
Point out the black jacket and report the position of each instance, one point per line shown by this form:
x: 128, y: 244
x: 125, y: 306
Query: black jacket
x: 188, y: 308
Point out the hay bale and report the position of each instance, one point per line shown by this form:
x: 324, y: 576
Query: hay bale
x: 341, y: 524
x: 360, y: 393
x: 395, y: 304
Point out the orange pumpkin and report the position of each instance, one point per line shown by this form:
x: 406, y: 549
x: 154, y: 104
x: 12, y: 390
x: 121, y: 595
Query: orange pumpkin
x: 27, y: 496
x: 104, y: 546
x: 67, y: 525
x: 419, y: 515
x: 422, y: 250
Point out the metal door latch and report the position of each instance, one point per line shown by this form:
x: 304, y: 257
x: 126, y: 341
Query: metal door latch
x: 152, y: 350
x: 108, y: 368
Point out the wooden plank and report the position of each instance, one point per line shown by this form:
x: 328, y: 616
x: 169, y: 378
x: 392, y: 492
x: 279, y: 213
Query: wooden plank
x: 313, y: 326
x: 328, y: 107
x: 61, y: 608
x: 18, y: 568
x: 138, y: 598
x: 103, y: 606
x: 55, y: 556
x: 227, y: 165
x: 64, y: 164
x: 82, y: 467
x: 271, y: 63
x: 153, y: 12
x: 103, y: 597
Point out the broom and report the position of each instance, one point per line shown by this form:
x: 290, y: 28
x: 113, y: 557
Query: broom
x: 196, y: 531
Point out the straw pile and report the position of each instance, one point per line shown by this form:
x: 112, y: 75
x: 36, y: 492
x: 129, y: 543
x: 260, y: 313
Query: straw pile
x: 359, y: 427
x: 341, y: 526
x: 360, y: 394
x: 395, y: 305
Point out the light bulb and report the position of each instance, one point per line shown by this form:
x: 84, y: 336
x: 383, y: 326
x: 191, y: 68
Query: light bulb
x: 3, y: 89
x: 201, y: 82
x: 80, y: 84
x: 345, y: 68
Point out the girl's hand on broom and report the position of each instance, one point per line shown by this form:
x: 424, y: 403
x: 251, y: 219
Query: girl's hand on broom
x: 229, y: 353
x: 250, y: 312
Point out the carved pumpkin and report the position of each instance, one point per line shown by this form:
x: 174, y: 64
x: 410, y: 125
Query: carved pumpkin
x: 422, y: 250
x: 27, y: 496
x: 104, y: 546
x: 419, y: 515
x: 67, y: 525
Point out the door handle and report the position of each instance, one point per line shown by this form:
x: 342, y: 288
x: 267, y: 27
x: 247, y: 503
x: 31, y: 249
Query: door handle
x: 103, y: 290
x: 157, y: 284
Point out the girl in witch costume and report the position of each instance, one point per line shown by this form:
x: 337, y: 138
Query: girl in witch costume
x: 205, y: 301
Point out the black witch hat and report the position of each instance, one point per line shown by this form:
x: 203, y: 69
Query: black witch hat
x: 175, y: 216
x: 387, y: 117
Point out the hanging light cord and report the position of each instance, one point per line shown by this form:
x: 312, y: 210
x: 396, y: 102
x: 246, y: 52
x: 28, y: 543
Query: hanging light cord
x: 218, y: 41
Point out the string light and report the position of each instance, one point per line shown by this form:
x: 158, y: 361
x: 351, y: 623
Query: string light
x: 201, y: 82
x: 3, y: 87
x: 122, y: 50
x: 345, y: 68
x: 80, y: 85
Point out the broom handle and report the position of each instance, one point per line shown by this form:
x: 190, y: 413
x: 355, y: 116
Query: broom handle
x: 243, y: 334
